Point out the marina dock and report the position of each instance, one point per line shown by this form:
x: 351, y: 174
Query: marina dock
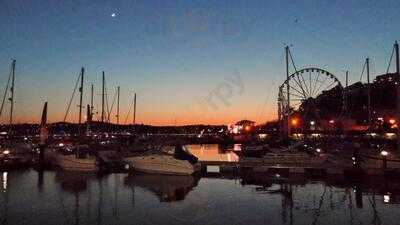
x: 257, y: 166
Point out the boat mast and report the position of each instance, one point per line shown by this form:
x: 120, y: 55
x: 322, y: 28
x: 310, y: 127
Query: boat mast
x: 81, y: 95
x: 6, y: 89
x: 345, y: 94
x: 369, y: 92
x: 43, y: 123
x: 288, y: 90
x: 134, y: 109
x: 44, y: 133
x: 118, y: 90
x: 88, y: 119
x: 396, y: 48
x: 91, y: 100
x: 102, y: 99
x: 12, y: 92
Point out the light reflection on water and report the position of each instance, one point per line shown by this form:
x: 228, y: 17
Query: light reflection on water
x: 68, y: 198
x: 214, y: 152
x: 55, y: 197
x: 4, y: 180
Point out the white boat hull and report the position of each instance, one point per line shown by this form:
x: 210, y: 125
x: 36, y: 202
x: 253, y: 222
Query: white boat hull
x: 163, y: 164
x: 71, y: 163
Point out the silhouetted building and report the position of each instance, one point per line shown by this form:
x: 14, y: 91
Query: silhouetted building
x: 242, y: 126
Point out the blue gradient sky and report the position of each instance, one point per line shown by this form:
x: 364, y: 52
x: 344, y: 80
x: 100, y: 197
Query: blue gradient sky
x: 175, y: 53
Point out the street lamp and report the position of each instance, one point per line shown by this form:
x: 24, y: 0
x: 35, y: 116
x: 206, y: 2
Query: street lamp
x: 294, y: 122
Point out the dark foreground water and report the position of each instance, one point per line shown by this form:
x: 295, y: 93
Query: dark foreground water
x: 29, y: 197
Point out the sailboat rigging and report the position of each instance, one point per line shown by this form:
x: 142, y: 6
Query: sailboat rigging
x: 11, y: 78
x: 80, y: 78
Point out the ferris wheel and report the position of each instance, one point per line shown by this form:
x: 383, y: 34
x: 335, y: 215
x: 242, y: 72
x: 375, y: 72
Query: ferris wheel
x: 301, y: 93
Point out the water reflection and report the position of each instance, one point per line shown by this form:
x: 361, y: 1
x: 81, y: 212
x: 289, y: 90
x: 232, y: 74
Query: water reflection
x: 168, y: 188
x: 214, y: 153
x: 68, y: 198
x: 73, y: 182
x: 323, y: 199
x: 4, y: 198
x: 360, y: 187
x: 4, y: 181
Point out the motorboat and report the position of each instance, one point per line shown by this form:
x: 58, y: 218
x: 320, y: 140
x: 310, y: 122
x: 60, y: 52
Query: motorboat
x: 167, y: 160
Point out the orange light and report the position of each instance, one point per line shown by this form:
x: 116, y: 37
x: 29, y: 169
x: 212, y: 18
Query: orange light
x: 392, y: 121
x: 247, y: 128
x: 295, y: 122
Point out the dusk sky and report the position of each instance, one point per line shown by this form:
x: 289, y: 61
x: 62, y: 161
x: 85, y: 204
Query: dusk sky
x: 176, y: 55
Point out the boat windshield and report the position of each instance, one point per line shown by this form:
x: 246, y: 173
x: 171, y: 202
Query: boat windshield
x: 182, y: 153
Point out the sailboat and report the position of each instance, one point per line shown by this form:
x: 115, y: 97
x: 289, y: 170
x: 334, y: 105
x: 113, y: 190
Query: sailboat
x: 75, y: 156
x: 13, y: 152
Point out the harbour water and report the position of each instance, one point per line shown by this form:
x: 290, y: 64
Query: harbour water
x: 215, y: 153
x: 54, y: 197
